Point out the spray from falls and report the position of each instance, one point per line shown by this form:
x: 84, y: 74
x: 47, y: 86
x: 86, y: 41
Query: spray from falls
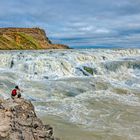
x: 62, y: 64
x: 90, y: 88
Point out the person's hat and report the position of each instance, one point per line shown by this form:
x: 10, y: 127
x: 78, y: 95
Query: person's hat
x: 16, y: 87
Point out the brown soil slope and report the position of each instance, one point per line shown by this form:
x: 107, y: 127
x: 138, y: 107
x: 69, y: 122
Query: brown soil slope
x: 26, y: 39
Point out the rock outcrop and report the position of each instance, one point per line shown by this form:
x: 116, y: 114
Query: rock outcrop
x: 18, y: 121
x: 26, y: 39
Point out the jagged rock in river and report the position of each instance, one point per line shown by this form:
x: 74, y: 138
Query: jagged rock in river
x: 18, y: 121
x: 26, y: 39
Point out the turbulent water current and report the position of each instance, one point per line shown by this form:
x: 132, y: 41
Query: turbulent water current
x: 97, y: 91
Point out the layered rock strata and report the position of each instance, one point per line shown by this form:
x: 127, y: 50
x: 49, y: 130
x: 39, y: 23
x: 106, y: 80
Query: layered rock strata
x: 18, y: 121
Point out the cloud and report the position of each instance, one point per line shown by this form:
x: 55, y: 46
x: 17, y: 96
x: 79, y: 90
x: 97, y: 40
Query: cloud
x: 78, y: 23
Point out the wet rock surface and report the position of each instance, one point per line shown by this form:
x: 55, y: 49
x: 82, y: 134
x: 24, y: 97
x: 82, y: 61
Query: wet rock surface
x: 18, y: 121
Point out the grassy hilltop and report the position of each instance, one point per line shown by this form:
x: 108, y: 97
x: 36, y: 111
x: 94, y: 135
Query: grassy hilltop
x: 26, y: 39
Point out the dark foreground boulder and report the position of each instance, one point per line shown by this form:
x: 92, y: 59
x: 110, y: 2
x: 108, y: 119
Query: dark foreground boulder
x: 18, y: 121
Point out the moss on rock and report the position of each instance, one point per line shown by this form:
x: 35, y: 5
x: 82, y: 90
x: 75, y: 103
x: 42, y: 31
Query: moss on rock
x: 88, y: 69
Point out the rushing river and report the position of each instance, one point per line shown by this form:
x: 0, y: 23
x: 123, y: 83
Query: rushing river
x: 85, y: 94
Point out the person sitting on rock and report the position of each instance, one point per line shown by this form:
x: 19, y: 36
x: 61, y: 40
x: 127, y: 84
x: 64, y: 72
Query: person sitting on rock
x: 16, y: 92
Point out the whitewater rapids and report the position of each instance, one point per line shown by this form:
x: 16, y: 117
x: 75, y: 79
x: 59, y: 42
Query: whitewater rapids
x: 98, y: 90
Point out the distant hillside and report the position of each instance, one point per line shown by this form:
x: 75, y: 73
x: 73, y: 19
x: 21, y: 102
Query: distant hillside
x: 26, y: 39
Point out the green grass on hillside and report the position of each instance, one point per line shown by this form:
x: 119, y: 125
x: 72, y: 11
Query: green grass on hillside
x: 26, y: 42
x: 30, y: 39
x: 5, y: 43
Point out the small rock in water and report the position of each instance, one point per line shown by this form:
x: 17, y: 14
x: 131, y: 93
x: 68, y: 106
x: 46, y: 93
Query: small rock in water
x: 104, y: 58
x: 12, y: 64
x: 46, y: 77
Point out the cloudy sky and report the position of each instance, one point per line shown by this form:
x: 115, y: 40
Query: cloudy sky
x: 78, y: 23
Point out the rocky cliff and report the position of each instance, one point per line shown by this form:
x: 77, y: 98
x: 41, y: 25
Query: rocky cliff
x: 18, y: 121
x: 26, y: 39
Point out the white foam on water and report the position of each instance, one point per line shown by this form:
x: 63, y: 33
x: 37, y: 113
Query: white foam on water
x: 94, y: 89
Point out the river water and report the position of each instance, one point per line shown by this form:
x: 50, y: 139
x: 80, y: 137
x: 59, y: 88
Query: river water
x: 84, y: 94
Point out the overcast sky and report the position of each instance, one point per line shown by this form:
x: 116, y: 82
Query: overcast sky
x: 78, y: 23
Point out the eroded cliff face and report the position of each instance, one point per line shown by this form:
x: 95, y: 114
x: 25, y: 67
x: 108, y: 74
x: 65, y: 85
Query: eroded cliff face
x: 26, y: 38
x: 18, y: 121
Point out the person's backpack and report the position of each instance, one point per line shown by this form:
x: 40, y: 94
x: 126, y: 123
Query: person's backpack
x: 14, y: 92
